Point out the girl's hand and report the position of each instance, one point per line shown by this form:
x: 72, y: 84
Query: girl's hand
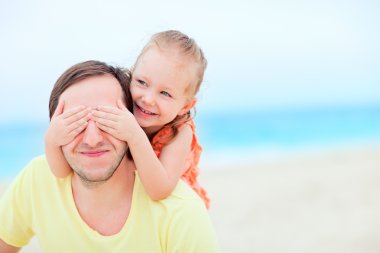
x: 64, y: 127
x: 117, y: 121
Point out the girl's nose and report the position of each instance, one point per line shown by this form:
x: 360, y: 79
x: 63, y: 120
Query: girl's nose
x: 148, y: 98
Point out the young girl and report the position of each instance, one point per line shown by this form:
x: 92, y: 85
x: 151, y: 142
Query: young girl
x: 160, y: 133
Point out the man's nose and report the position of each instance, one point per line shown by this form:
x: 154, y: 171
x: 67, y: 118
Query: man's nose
x: 92, y: 135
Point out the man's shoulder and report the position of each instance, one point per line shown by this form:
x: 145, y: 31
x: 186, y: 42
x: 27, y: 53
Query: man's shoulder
x: 183, y: 196
x: 184, y: 191
x: 38, y: 163
x: 38, y: 167
x: 187, y: 221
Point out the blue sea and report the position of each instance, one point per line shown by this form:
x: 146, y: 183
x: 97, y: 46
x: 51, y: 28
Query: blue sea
x: 224, y: 132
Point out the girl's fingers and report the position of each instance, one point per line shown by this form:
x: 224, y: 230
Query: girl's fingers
x: 109, y: 109
x: 82, y: 123
x: 104, y: 115
x: 74, y: 132
x: 121, y: 105
x: 124, y: 109
x: 106, y: 122
x: 67, y: 134
x: 73, y: 111
x: 106, y: 129
x: 59, y: 109
x: 83, y: 114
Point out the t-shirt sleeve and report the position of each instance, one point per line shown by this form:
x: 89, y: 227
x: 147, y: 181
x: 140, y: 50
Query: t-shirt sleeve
x: 191, y: 230
x: 15, y: 211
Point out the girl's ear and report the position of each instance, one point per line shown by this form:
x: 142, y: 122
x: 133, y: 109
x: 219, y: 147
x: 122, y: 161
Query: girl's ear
x: 188, y: 106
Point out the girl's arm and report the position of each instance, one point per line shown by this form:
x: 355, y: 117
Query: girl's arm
x: 6, y: 248
x: 56, y: 160
x: 63, y: 128
x: 159, y: 176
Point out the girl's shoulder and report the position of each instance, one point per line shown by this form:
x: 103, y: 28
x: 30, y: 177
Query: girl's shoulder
x: 185, y: 134
x: 167, y: 132
x: 187, y: 126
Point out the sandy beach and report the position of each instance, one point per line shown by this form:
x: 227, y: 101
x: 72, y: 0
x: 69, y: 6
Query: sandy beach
x: 309, y: 202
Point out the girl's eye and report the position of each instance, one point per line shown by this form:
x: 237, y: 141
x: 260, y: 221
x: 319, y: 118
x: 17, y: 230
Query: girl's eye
x: 141, y: 82
x: 166, y: 94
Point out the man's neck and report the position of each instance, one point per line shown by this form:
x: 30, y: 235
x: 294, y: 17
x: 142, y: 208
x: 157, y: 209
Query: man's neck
x: 105, y: 207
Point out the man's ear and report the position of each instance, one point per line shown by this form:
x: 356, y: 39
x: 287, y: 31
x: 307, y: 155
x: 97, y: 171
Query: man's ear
x: 188, y: 106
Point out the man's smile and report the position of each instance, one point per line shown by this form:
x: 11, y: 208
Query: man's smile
x: 93, y: 153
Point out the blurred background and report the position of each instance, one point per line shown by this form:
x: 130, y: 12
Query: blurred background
x: 288, y: 114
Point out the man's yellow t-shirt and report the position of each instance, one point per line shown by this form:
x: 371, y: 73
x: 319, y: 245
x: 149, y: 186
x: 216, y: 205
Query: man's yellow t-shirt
x: 39, y: 204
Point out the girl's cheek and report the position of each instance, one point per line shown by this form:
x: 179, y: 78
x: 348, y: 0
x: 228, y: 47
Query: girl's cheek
x: 133, y: 91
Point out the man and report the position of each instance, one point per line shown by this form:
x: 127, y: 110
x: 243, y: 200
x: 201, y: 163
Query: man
x: 102, y: 206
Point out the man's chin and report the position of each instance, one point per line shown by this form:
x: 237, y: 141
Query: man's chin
x: 95, y: 176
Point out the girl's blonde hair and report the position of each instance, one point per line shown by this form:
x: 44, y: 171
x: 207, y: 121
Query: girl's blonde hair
x: 183, y: 46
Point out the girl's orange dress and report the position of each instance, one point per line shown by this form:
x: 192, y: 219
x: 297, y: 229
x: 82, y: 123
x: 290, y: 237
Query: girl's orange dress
x: 191, y: 170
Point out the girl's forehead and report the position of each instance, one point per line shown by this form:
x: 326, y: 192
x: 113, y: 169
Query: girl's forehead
x: 165, y: 68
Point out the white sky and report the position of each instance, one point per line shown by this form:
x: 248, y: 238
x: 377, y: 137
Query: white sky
x: 262, y: 54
